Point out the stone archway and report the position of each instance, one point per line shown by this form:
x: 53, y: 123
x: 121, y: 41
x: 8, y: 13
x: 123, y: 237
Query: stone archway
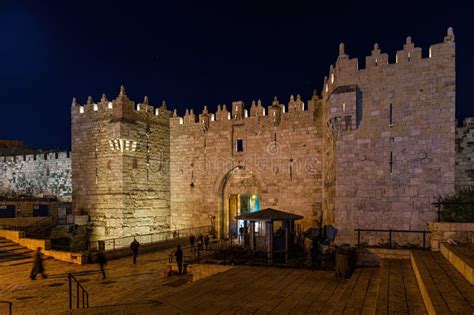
x: 237, y: 182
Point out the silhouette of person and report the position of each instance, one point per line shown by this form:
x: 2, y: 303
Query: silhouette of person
x: 179, y: 258
x: 134, y: 246
x: 206, y: 241
x: 102, y: 261
x: 192, y: 239
x: 200, y: 242
x: 38, y: 266
x: 241, y: 233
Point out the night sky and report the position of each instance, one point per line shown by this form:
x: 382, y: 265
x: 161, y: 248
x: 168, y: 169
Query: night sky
x: 196, y: 54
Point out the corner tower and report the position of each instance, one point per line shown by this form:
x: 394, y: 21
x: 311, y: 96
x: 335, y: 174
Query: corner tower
x: 120, y: 166
x: 390, y: 132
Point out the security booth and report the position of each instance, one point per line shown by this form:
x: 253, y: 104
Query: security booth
x: 269, y: 230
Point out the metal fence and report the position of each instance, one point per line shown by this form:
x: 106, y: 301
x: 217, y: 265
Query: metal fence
x: 393, y: 238
x: 164, y: 236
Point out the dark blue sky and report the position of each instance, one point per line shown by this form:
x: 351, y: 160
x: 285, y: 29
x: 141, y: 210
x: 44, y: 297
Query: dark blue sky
x: 195, y: 54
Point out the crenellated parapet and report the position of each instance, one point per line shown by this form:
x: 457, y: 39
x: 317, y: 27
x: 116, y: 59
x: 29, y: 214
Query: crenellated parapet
x: 273, y: 114
x: 40, y: 156
x: 346, y: 88
x: 120, y: 107
x: 347, y: 68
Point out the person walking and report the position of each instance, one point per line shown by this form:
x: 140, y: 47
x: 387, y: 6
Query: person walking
x: 192, y: 239
x: 179, y: 259
x: 102, y: 261
x: 241, y: 234
x: 134, y: 246
x: 200, y: 242
x: 38, y: 266
x: 206, y: 242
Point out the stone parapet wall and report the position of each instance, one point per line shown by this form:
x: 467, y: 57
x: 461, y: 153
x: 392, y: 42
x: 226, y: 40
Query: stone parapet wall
x: 442, y: 231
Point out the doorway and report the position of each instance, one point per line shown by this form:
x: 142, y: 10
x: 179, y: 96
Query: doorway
x: 239, y: 204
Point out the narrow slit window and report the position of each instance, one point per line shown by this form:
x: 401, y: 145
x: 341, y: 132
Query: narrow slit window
x: 391, y: 115
x: 391, y: 162
x: 239, y: 145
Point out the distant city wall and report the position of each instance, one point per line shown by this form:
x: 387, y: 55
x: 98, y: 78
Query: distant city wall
x: 39, y: 175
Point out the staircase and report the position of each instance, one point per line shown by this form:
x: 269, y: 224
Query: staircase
x: 445, y: 278
x: 12, y: 254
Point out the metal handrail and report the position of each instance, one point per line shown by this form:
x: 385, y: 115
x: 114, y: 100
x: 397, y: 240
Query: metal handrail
x: 119, y: 242
x: 10, y: 306
x: 85, y: 294
x: 390, y: 231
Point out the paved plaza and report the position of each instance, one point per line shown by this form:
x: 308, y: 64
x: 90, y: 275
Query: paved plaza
x: 237, y: 290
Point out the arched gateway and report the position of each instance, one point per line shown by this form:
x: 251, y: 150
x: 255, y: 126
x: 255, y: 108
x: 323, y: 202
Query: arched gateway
x: 239, y: 193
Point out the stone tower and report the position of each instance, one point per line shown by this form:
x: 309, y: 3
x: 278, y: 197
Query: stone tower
x: 120, y: 164
x: 390, y: 137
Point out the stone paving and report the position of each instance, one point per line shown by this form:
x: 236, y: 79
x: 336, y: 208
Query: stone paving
x: 125, y: 283
x: 236, y: 290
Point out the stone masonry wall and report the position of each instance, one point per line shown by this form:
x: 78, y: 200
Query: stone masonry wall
x: 281, y: 161
x: 394, y: 127
x: 465, y: 154
x: 36, y: 175
x: 120, y: 158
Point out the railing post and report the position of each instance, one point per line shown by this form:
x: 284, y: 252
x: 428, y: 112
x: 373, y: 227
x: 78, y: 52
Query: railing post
x: 83, y: 300
x: 424, y: 237
x: 77, y: 294
x: 87, y: 297
x: 70, y: 291
x: 389, y: 238
x: 358, y: 238
x: 439, y: 210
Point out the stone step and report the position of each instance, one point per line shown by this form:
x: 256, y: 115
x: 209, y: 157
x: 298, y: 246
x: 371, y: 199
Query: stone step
x: 443, y: 288
x: 461, y: 256
x: 17, y: 251
x: 7, y: 244
x: 20, y: 260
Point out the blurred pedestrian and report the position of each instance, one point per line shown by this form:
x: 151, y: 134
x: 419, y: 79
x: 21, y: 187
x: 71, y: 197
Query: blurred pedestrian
x: 192, y: 239
x: 38, y: 266
x: 179, y: 259
x: 134, y: 246
x: 102, y: 261
x: 206, y: 241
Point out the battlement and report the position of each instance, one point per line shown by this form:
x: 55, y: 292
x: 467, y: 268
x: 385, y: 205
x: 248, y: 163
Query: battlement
x: 410, y: 55
x: 40, y: 156
x: 120, y: 107
x: 274, y: 112
x: 468, y: 122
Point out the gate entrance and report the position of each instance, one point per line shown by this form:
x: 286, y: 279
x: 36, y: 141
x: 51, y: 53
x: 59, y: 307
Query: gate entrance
x: 239, y: 194
x: 238, y: 204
